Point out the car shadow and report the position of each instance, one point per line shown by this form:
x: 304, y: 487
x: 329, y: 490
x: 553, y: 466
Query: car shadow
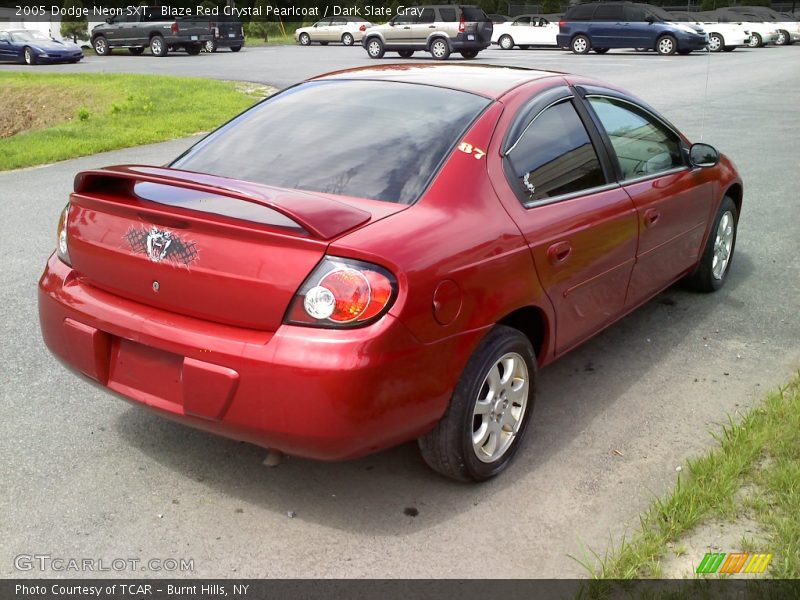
x: 394, y: 492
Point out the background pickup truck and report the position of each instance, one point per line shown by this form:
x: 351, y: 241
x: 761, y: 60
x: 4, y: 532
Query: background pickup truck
x: 149, y: 28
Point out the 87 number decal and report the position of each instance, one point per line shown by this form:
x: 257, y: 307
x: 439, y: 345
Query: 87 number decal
x: 476, y: 153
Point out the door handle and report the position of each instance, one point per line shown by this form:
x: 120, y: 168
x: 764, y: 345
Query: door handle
x: 431, y: 26
x: 406, y: 27
x: 651, y: 217
x: 559, y: 252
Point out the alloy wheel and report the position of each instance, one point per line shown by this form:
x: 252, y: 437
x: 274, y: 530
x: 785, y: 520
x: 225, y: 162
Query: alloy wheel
x: 723, y: 245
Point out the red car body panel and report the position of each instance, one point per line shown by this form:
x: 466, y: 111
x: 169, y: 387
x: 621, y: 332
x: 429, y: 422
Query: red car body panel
x: 208, y: 345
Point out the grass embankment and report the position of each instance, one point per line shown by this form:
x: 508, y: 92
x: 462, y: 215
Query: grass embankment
x: 49, y: 117
x: 752, y: 477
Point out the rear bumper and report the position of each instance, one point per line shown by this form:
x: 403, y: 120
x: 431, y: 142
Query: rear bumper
x: 322, y: 394
x: 227, y: 42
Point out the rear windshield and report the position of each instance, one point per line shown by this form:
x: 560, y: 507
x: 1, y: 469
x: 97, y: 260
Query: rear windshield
x: 370, y: 139
x: 473, y: 13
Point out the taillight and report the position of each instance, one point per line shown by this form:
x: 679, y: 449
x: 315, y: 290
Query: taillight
x: 175, y: 28
x: 562, y: 23
x: 362, y: 28
x: 342, y: 292
x: 62, y: 242
x: 461, y: 26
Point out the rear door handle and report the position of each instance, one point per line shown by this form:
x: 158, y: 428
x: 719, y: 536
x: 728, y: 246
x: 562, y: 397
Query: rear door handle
x: 431, y: 26
x: 406, y: 27
x: 651, y: 217
x: 559, y: 252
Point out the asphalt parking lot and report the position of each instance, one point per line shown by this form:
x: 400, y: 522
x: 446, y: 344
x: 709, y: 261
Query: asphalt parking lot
x: 85, y: 475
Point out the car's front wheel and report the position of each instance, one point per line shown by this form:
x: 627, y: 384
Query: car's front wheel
x: 28, y: 56
x: 347, y: 39
x: 158, y: 46
x: 783, y: 38
x: 712, y: 272
x: 210, y: 46
x: 489, y: 411
x: 581, y: 44
x: 101, y: 47
x: 755, y: 41
x: 666, y: 45
x: 304, y: 39
x: 440, y: 49
x: 715, y: 42
x: 375, y: 48
x: 506, y: 42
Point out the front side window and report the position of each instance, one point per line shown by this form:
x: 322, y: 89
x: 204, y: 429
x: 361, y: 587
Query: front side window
x: 554, y: 156
x: 643, y: 145
x: 522, y: 21
x: 367, y: 139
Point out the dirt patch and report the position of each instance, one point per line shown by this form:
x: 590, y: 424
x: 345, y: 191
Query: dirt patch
x: 35, y: 107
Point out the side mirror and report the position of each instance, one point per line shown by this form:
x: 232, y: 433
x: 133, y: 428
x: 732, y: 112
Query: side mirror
x: 650, y: 19
x: 703, y: 155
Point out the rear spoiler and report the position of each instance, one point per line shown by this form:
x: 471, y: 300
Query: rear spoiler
x: 322, y: 217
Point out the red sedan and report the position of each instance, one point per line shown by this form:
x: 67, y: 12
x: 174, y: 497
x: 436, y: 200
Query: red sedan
x: 384, y: 254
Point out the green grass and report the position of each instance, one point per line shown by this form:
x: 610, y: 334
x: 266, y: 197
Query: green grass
x: 52, y: 117
x: 761, y: 450
x: 273, y: 40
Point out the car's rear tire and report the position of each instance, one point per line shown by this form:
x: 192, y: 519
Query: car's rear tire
x: 405, y: 53
x: 600, y: 50
x: 194, y: 49
x: 469, y: 54
x: 580, y: 44
x: 715, y: 264
x: 210, y: 46
x: 304, y: 39
x: 716, y: 42
x: 100, y: 45
x: 158, y: 47
x: 755, y: 41
x: 439, y: 49
x: 29, y: 56
x: 506, y: 42
x: 489, y: 411
x: 783, y: 38
x: 348, y: 39
x: 375, y: 47
x: 235, y: 48
x: 136, y: 50
x: 666, y: 45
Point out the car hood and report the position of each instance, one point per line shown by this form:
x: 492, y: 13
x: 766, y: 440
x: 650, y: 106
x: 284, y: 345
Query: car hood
x: 54, y: 45
x: 690, y: 26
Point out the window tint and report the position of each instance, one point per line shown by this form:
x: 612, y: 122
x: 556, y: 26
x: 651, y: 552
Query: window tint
x: 404, y: 18
x: 370, y: 139
x: 555, y: 156
x: 522, y: 21
x: 634, y: 13
x: 608, y: 12
x: 323, y: 23
x: 447, y: 15
x: 338, y: 22
x: 426, y: 16
x: 582, y: 12
x: 472, y: 13
x: 643, y: 145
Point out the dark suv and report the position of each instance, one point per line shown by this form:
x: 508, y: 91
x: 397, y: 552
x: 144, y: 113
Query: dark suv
x: 603, y: 25
x: 439, y: 30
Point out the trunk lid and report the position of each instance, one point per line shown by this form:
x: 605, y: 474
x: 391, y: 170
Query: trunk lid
x: 204, y: 246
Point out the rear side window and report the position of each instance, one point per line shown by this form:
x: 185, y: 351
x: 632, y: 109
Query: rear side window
x: 643, y: 145
x: 634, y: 13
x: 447, y: 15
x: 582, y: 12
x: 472, y: 13
x: 369, y: 139
x: 426, y: 16
x: 554, y: 156
x: 608, y: 12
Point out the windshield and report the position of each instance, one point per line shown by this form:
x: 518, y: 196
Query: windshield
x: 659, y: 13
x: 370, y: 139
x: 29, y: 36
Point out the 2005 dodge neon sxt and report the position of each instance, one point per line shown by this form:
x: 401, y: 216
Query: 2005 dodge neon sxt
x: 383, y: 254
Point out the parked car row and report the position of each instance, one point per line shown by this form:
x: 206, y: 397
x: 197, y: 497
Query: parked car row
x: 597, y: 26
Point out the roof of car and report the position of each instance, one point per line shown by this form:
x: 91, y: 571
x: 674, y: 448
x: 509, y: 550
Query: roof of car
x: 486, y: 80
